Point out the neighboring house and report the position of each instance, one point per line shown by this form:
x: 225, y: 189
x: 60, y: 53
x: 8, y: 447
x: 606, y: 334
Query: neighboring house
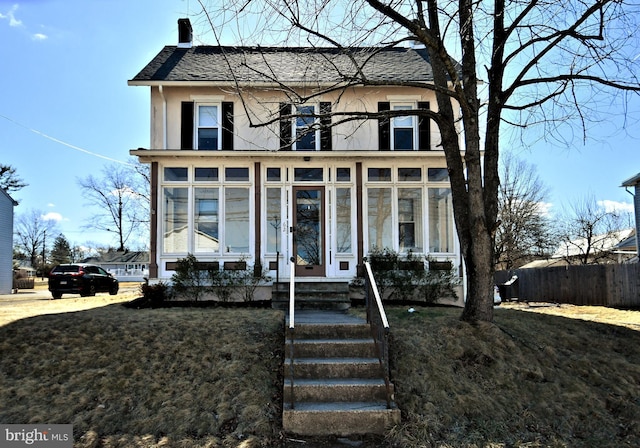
x: 300, y: 188
x: 634, y: 182
x: 6, y: 242
x: 627, y: 249
x: 614, y: 247
x: 601, y: 249
x: 130, y: 266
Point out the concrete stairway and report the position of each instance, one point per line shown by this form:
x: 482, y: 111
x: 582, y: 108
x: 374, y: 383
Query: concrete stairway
x: 312, y: 295
x: 338, y: 386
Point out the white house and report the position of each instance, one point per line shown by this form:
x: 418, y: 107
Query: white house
x: 6, y: 242
x: 303, y: 186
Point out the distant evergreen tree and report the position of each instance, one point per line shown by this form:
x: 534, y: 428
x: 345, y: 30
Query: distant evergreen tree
x: 61, y: 252
x: 9, y: 180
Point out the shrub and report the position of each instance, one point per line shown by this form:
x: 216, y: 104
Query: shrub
x: 406, y: 279
x: 249, y: 279
x: 193, y: 281
x: 189, y: 280
x: 154, y: 295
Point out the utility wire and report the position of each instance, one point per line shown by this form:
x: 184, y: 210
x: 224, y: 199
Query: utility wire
x: 69, y: 145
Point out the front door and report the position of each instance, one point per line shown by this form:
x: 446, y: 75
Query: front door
x: 308, y: 231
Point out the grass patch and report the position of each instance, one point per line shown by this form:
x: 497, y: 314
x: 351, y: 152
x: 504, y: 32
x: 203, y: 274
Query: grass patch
x: 529, y: 380
x: 178, y: 377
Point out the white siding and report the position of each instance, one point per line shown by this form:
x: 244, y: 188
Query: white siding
x: 6, y: 243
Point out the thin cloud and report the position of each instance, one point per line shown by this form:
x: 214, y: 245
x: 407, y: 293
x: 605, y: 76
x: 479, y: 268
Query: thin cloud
x: 11, y: 17
x: 52, y: 216
x: 39, y: 37
x: 615, y: 206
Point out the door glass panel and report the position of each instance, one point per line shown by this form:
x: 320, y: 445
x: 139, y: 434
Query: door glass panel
x: 308, y: 236
x: 343, y: 219
x: 273, y: 220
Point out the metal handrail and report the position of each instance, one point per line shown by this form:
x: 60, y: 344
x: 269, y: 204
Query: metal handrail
x: 292, y: 307
x: 377, y: 319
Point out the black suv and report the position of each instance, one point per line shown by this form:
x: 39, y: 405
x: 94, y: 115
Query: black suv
x: 83, y: 279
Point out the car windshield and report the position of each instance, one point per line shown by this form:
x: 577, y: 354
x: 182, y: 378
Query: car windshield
x: 66, y: 268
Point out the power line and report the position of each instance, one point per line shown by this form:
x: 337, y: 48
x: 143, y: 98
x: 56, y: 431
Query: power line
x: 69, y: 145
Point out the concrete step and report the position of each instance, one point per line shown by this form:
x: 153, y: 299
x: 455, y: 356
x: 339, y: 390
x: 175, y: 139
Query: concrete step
x: 303, y: 286
x: 332, y: 348
x: 314, y: 368
x: 339, y: 330
x: 312, y: 303
x: 336, y: 390
x: 341, y: 419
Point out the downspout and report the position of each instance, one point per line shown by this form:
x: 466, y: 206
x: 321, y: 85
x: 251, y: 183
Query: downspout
x: 164, y: 117
x: 636, y: 206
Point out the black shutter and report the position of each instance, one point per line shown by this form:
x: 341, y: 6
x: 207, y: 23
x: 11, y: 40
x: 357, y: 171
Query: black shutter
x: 285, y: 127
x: 424, y: 131
x: 384, y: 127
x: 325, y: 126
x: 186, y: 125
x: 227, y: 125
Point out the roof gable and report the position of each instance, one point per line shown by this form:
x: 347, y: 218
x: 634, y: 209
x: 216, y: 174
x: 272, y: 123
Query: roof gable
x: 216, y: 64
x: 5, y: 194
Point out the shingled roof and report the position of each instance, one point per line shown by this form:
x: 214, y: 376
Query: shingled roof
x: 216, y: 64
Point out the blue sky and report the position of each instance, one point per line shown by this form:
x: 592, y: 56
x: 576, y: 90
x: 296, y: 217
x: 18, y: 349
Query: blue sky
x: 66, y: 110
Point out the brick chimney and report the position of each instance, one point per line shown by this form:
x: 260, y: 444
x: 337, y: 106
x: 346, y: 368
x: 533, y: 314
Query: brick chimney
x: 185, y: 33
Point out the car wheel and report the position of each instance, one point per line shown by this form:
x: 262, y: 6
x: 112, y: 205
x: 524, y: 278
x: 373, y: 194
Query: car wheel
x: 56, y: 294
x: 114, y: 290
x: 90, y: 291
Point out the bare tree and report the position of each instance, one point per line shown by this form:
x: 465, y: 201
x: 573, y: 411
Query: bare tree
x: 589, y: 232
x: 32, y: 233
x: 544, y: 61
x: 9, y: 180
x: 122, y: 196
x: 524, y: 232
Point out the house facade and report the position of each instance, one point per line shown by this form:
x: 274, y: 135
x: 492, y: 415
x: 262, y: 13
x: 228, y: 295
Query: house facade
x: 252, y: 160
x: 126, y: 266
x: 6, y: 242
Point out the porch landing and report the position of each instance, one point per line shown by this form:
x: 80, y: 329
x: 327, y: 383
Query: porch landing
x: 312, y: 295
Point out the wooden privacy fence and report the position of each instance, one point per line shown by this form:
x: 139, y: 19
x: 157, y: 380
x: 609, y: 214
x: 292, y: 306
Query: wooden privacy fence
x: 615, y: 285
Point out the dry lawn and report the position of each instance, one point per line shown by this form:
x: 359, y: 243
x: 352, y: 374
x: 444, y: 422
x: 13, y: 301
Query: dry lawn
x: 530, y: 380
x: 211, y: 377
x: 123, y: 377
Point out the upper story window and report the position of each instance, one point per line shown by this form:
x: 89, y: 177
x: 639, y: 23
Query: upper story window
x: 403, y: 133
x: 305, y: 127
x: 207, y: 125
